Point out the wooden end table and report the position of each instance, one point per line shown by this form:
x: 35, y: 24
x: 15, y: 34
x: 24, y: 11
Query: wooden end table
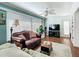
x: 46, y: 48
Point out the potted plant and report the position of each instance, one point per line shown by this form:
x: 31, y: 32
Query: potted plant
x: 39, y: 31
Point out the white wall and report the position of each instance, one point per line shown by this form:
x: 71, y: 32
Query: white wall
x: 36, y: 23
x: 75, y: 29
x: 25, y: 21
x: 53, y: 19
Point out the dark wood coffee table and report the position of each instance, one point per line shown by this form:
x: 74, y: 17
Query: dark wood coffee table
x: 46, y: 48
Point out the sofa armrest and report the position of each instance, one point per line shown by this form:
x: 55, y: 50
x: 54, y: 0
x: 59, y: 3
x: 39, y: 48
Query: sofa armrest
x: 17, y: 39
x: 20, y: 42
x: 38, y: 36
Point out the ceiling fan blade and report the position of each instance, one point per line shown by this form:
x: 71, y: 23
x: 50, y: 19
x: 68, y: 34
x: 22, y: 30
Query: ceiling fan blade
x: 47, y: 12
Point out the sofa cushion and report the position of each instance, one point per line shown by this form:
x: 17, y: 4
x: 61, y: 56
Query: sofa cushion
x: 21, y: 36
x: 32, y: 34
x: 34, y: 39
x: 16, y: 34
x: 30, y: 42
x: 18, y: 39
x: 26, y: 35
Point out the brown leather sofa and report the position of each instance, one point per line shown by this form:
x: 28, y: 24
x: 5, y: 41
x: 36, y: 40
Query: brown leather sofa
x: 26, y: 39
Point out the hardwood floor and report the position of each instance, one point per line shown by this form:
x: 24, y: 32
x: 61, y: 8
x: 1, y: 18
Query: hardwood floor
x: 76, y: 51
x: 52, y: 39
x: 67, y: 41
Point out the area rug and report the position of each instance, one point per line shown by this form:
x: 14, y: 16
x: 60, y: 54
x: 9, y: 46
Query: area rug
x: 59, y: 50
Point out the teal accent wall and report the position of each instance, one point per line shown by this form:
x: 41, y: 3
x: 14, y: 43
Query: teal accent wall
x: 3, y: 27
x: 2, y: 34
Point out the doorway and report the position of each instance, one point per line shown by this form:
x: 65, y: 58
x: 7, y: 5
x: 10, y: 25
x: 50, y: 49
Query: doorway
x: 66, y: 28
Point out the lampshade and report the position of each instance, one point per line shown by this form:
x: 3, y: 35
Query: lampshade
x: 16, y: 22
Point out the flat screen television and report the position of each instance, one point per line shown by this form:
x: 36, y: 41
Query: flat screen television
x: 56, y: 27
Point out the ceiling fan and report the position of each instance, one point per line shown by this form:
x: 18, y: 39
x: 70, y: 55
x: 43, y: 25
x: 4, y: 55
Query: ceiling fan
x: 48, y: 11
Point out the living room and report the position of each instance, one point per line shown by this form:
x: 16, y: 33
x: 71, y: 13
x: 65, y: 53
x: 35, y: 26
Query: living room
x: 41, y: 29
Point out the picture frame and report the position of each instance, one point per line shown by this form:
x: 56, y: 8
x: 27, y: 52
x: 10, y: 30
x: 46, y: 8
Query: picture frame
x: 2, y: 17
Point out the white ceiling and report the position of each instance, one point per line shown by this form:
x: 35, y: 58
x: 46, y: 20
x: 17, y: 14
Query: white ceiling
x: 61, y: 8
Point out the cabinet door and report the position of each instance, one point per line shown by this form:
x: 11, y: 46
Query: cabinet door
x: 2, y: 27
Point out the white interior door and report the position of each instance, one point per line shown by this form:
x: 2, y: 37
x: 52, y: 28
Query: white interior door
x: 66, y: 28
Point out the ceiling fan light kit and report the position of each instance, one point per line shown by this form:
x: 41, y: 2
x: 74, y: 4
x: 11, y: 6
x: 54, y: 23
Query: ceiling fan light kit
x: 48, y: 11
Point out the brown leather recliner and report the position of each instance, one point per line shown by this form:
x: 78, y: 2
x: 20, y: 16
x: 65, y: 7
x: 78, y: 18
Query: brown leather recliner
x: 26, y: 39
